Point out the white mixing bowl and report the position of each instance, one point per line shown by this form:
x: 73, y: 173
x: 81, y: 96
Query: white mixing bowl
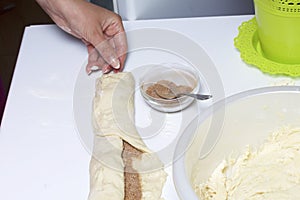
x: 228, y: 126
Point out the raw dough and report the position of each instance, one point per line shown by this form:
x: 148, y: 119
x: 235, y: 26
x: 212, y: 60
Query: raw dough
x: 113, y: 122
x: 269, y: 172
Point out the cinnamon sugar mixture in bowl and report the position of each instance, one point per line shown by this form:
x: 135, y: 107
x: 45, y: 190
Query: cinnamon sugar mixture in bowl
x: 162, y: 82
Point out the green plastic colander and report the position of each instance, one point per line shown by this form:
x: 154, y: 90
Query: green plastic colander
x: 278, y: 24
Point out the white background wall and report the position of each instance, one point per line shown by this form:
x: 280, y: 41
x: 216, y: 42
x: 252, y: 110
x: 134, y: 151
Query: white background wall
x: 152, y: 9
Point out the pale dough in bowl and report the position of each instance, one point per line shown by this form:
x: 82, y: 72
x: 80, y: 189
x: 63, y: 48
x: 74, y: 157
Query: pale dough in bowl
x: 271, y: 171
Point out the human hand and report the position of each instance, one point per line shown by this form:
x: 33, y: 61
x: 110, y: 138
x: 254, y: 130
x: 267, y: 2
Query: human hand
x: 100, y: 29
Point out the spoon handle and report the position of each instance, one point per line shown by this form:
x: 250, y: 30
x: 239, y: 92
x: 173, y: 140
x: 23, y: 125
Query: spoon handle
x: 198, y: 96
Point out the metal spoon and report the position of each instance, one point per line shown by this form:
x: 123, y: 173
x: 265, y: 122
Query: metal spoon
x: 170, y: 93
x: 196, y: 96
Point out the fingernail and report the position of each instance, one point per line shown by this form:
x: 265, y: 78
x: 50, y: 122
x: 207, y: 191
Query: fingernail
x: 91, y: 69
x: 88, y: 70
x: 95, y: 68
x: 106, y: 70
x: 115, y: 64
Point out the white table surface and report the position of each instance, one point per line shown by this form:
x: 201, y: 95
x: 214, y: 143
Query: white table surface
x: 41, y: 155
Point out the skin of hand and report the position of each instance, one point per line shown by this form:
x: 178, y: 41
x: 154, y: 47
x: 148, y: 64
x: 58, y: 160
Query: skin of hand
x: 100, y: 29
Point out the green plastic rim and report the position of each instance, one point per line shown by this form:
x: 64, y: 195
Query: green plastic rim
x: 286, y: 8
x: 247, y: 42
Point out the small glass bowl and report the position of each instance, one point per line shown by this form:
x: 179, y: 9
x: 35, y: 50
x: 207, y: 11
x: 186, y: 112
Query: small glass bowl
x: 177, y: 73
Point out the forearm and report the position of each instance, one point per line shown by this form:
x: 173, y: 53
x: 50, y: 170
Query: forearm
x: 48, y: 5
x: 58, y: 8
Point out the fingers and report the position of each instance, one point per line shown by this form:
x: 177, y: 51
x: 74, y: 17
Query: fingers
x: 119, y: 44
x: 121, y: 48
x: 96, y: 62
x: 108, y: 53
x: 104, y: 47
x: 109, y: 40
x: 92, y: 59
